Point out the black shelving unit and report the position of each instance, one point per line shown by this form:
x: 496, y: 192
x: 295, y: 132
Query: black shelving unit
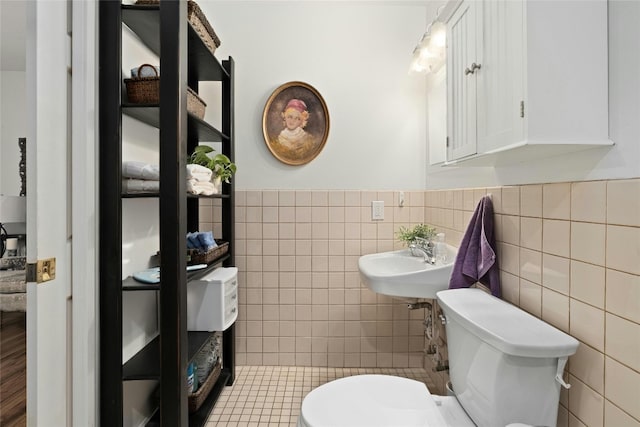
x: 184, y: 60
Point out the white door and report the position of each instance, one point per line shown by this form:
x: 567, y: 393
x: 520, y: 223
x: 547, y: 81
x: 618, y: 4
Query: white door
x: 461, y: 85
x: 501, y: 76
x: 60, y: 335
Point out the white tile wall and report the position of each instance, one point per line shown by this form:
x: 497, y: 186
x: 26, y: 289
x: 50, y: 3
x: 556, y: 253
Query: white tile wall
x: 586, y: 281
x: 568, y: 253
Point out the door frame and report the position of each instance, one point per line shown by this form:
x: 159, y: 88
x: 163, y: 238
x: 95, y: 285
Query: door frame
x: 84, y: 214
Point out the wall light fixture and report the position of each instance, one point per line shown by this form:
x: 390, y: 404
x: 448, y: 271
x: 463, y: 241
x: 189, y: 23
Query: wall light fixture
x: 429, y: 53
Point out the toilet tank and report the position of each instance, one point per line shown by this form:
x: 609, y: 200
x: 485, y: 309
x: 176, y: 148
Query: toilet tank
x: 505, y: 365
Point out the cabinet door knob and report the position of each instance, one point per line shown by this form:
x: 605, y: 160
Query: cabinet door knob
x: 473, y: 69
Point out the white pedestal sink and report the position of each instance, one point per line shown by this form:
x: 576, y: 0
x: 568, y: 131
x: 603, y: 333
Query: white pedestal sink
x: 400, y: 274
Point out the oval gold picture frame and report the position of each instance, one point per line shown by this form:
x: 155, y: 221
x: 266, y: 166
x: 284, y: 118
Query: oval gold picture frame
x: 295, y: 123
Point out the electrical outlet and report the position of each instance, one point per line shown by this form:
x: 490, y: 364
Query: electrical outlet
x: 377, y: 210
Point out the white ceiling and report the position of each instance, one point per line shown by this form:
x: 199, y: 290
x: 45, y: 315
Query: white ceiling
x: 13, y: 20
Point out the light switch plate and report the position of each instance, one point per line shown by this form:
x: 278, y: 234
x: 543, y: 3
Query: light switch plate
x: 377, y: 210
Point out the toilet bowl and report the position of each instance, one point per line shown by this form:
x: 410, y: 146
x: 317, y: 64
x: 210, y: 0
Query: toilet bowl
x: 505, y: 367
x: 379, y: 401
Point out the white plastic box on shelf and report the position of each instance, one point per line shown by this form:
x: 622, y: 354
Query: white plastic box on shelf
x: 212, y: 301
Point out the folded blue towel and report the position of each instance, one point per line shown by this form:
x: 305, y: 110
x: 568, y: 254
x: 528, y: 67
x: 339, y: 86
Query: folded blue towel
x: 193, y: 242
x: 476, y: 260
x: 207, y: 242
x: 203, y: 241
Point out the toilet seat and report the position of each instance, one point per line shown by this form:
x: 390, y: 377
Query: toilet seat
x: 379, y: 401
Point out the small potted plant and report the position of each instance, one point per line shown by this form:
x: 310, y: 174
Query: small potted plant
x: 411, y: 236
x: 221, y: 166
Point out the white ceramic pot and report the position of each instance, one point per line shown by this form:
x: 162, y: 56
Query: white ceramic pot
x: 217, y: 182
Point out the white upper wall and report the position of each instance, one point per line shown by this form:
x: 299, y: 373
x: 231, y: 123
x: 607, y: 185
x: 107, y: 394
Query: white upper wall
x: 357, y: 55
x: 12, y: 92
x: 13, y: 20
x: 13, y: 125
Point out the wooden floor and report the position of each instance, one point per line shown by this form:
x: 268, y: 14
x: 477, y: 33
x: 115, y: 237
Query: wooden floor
x: 13, y: 369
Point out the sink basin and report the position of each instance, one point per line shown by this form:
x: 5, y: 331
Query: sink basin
x: 400, y: 274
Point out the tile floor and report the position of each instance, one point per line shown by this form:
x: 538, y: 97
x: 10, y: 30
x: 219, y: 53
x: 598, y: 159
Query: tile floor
x: 272, y: 395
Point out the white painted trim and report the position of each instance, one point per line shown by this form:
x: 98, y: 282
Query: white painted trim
x: 32, y: 202
x: 84, y: 272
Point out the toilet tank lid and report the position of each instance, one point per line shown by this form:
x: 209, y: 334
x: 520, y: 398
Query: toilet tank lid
x: 505, y: 326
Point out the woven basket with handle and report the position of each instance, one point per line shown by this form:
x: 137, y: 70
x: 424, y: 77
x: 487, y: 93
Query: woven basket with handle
x: 146, y: 90
x: 198, y: 22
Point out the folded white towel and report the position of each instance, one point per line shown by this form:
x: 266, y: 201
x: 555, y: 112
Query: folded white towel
x: 140, y: 170
x: 130, y: 186
x: 206, y: 188
x: 198, y: 173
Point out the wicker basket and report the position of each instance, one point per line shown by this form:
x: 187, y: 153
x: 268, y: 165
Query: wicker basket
x: 198, y: 397
x: 198, y: 22
x: 146, y: 90
x: 195, y: 104
x: 197, y: 257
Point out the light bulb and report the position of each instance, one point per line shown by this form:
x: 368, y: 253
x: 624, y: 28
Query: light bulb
x: 425, y: 53
x: 438, y: 34
x: 425, y: 41
x: 416, y: 67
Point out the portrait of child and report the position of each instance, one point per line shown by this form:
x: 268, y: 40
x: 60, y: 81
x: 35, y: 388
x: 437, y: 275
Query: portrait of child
x: 295, y: 123
x: 295, y: 117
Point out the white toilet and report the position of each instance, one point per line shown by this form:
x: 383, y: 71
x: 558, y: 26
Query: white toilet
x: 505, y: 367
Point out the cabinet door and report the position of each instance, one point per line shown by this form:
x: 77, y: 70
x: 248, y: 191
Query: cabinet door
x: 500, y: 79
x: 461, y: 86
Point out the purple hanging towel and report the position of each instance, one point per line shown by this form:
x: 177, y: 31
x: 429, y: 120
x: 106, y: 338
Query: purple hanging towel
x: 476, y: 260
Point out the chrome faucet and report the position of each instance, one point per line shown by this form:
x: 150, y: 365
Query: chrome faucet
x: 426, y: 247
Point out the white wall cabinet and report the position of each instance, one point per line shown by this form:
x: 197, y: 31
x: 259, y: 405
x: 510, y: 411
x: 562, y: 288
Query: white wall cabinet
x: 526, y: 79
x: 462, y: 46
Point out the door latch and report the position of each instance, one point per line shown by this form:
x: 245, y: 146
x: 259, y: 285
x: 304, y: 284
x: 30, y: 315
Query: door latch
x: 41, y: 271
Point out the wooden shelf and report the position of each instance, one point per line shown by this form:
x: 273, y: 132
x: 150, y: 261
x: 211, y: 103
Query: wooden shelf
x: 145, y: 22
x: 150, y: 114
x: 130, y: 284
x: 145, y: 365
x: 199, y: 418
x: 189, y: 196
x: 179, y: 133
